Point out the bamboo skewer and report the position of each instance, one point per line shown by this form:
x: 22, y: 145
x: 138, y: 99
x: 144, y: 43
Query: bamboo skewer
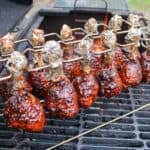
x: 98, y: 127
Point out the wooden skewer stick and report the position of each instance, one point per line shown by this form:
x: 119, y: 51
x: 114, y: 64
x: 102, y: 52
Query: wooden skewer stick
x: 98, y: 127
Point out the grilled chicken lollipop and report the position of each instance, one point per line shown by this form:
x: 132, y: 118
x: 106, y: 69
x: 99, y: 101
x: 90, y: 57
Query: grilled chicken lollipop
x: 110, y: 41
x: 61, y: 100
x: 85, y: 84
x: 109, y: 79
x: 71, y: 69
x: 6, y: 48
x: 131, y: 71
x: 22, y: 110
x: 145, y: 61
x: 96, y: 60
x: 38, y: 74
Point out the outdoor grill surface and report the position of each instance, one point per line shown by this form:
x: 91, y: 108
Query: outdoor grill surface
x: 130, y: 133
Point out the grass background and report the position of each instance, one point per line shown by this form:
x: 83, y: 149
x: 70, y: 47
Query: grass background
x: 140, y: 5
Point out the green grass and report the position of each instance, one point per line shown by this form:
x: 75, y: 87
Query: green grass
x: 141, y: 5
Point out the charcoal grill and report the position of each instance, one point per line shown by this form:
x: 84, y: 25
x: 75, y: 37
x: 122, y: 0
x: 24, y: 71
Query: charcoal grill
x: 129, y: 133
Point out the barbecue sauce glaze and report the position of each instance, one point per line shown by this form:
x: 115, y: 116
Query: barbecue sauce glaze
x: 86, y: 85
x: 22, y: 110
x: 109, y: 79
x: 131, y: 70
x: 71, y: 69
x: 61, y: 100
x: 96, y: 60
x: 38, y: 79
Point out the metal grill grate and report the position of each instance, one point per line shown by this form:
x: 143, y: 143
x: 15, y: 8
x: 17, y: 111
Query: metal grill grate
x: 130, y: 133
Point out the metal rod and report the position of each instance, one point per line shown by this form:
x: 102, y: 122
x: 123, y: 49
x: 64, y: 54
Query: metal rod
x: 76, y: 29
x: 3, y: 59
x: 41, y: 101
x: 70, y: 42
x: 98, y: 127
x: 103, y: 24
x: 122, y: 32
x: 102, y: 52
x: 125, y: 45
x: 23, y: 40
x: 32, y: 50
x: 71, y: 60
x: 145, y: 39
x: 80, y: 58
x: 38, y: 68
x: 5, y: 78
x: 52, y: 34
x: 144, y: 45
x: 144, y: 18
x: 127, y: 22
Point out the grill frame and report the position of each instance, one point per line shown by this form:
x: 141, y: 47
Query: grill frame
x: 130, y: 133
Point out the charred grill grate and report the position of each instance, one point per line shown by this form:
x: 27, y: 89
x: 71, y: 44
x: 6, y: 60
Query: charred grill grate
x: 130, y: 133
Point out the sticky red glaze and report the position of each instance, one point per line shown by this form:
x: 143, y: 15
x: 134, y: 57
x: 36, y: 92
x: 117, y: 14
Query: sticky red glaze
x: 71, y: 69
x: 131, y: 73
x: 96, y: 60
x: 39, y: 81
x: 136, y: 52
x: 96, y: 64
x: 62, y: 99
x: 119, y: 57
x: 24, y: 112
x: 145, y: 62
x: 87, y: 89
x: 6, y: 87
x: 110, y: 81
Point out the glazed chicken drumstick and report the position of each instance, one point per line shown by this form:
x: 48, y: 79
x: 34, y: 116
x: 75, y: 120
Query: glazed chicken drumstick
x: 38, y: 79
x: 85, y: 84
x: 71, y: 69
x: 109, y: 79
x: 6, y: 48
x: 61, y: 99
x: 131, y: 71
x: 145, y: 60
x: 22, y: 110
x: 95, y: 60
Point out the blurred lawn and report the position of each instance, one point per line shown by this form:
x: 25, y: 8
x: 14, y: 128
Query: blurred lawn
x: 141, y: 5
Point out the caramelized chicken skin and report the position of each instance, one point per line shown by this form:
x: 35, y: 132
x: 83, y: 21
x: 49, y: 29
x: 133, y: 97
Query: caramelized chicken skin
x: 86, y: 85
x: 110, y: 81
x: 95, y: 60
x: 22, y: 110
x: 71, y: 69
x: 38, y: 79
x: 131, y: 70
x: 61, y: 99
x: 145, y: 62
